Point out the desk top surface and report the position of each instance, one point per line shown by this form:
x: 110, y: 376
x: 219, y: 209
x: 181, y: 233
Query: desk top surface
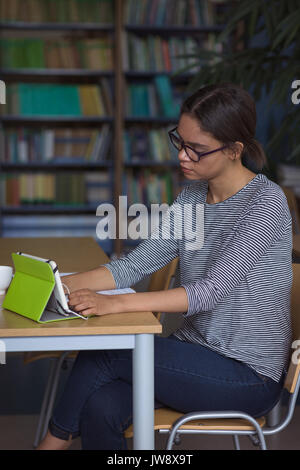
x: 71, y: 255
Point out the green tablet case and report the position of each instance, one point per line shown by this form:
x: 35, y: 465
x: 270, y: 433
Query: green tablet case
x: 31, y: 291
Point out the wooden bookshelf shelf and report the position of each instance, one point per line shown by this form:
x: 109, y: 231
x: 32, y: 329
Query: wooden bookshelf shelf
x: 173, y: 30
x: 31, y: 26
x: 55, y: 121
x: 44, y: 209
x: 149, y: 120
x: 149, y: 74
x: 151, y: 164
x: 54, y: 166
x: 54, y: 75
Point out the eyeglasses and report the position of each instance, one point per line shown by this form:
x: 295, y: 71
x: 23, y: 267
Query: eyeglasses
x: 191, y: 153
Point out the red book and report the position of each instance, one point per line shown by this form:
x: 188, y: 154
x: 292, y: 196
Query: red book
x: 166, y: 56
x: 153, y: 12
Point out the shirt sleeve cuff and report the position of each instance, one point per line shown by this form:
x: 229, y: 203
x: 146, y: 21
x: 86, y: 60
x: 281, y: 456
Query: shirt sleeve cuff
x: 191, y: 300
x: 199, y: 298
x: 115, y: 274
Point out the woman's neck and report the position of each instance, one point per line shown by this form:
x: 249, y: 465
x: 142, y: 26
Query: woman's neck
x: 223, y: 187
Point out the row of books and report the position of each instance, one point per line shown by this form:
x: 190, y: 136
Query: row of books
x: 156, y: 53
x: 64, y: 11
x: 57, y: 189
x: 55, y: 145
x: 77, y: 189
x: 143, y: 145
x: 58, y: 100
x: 93, y: 54
x: 149, y: 187
x: 60, y: 146
x: 170, y: 12
x: 154, y: 98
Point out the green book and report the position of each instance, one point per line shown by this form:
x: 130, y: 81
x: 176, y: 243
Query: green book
x: 34, y: 53
x: 51, y: 100
x: 25, y: 99
x: 68, y: 99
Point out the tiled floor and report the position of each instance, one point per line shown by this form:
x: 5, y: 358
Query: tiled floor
x: 17, y: 433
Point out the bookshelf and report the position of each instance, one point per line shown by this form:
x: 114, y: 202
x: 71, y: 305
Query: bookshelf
x: 48, y: 48
x: 155, y: 34
x: 139, y: 90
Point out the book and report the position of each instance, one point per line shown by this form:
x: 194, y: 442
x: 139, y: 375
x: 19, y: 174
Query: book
x: 170, y: 12
x: 58, y: 100
x: 56, y: 145
x: 63, y: 11
x: 149, y: 187
x: 161, y: 54
x: 164, y: 90
x: 153, y: 98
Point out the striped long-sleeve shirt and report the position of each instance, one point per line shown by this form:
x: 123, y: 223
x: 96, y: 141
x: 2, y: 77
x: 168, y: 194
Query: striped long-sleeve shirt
x: 238, y: 283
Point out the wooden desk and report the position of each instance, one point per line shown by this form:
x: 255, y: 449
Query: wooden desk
x: 71, y: 254
x: 296, y: 245
x: 118, y: 331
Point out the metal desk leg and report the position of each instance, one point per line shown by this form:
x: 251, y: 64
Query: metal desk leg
x: 143, y: 392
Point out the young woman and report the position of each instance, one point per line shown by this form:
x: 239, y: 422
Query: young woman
x: 231, y: 351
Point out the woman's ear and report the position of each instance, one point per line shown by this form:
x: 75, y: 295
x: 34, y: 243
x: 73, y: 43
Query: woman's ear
x: 237, y: 150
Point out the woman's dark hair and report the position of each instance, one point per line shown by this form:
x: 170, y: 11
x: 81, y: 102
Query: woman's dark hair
x: 227, y: 112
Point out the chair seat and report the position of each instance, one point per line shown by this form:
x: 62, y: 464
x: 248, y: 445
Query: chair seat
x: 165, y: 417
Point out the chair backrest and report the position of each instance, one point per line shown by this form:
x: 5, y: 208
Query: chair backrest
x: 160, y: 280
x: 294, y: 209
x: 294, y: 367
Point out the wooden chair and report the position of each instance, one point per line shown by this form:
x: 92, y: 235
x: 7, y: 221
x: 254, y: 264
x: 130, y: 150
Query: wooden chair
x: 294, y: 209
x: 236, y: 423
x: 163, y: 280
x: 160, y: 280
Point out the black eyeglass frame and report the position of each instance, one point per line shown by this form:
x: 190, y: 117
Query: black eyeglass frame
x: 184, y: 146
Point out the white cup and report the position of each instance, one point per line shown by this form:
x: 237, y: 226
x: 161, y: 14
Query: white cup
x: 6, y: 273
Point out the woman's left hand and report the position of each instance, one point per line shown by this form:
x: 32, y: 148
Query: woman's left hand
x: 87, y: 302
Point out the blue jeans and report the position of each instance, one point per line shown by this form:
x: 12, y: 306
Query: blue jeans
x: 97, y: 400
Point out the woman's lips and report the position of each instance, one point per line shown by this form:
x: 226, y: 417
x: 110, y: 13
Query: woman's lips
x: 185, y: 169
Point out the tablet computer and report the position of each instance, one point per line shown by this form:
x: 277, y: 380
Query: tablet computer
x: 58, y: 303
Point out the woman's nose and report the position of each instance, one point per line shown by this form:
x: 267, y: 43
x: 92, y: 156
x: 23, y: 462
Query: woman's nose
x: 182, y: 155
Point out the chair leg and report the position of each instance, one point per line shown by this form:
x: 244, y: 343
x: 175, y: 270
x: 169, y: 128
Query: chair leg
x: 236, y: 442
x: 44, y: 404
x: 53, y: 391
x: 273, y: 418
x: 258, y: 440
x: 49, y: 398
x: 262, y: 443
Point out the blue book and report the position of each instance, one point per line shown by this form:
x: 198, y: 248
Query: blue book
x: 164, y: 91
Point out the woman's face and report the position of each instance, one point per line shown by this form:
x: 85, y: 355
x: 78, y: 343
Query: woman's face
x: 209, y: 166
